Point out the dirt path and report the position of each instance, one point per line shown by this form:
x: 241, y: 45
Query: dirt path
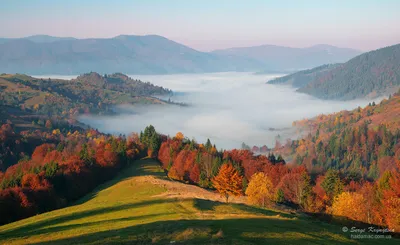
x: 180, y: 190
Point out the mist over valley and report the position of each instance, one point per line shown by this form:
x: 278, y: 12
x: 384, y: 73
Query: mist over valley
x: 228, y: 108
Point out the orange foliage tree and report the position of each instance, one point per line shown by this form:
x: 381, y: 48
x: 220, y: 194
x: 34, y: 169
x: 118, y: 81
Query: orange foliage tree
x: 30, y: 181
x: 40, y: 153
x: 179, y: 136
x: 228, y: 181
x: 391, y: 200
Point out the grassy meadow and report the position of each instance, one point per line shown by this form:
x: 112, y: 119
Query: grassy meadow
x: 136, y: 208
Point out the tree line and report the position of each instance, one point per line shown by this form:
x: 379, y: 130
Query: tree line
x: 56, y: 174
x: 267, y: 181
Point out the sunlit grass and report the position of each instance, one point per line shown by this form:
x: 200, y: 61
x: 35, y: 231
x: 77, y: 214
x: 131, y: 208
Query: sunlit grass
x: 130, y: 210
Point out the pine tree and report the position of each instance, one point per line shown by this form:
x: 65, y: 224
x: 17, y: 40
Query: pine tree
x: 332, y: 184
x: 216, y: 166
x: 280, y: 196
x: 208, y: 145
x: 306, y: 191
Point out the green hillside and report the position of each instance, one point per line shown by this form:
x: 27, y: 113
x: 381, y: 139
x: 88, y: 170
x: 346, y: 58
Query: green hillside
x: 141, y: 206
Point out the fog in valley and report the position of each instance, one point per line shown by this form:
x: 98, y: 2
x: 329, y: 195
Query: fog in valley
x: 228, y: 108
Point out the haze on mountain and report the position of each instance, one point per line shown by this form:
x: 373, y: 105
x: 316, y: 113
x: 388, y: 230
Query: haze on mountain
x: 153, y: 54
x: 372, y: 74
x: 278, y: 58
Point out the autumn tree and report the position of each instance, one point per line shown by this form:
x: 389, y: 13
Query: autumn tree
x: 48, y: 124
x: 173, y: 174
x: 260, y: 190
x: 391, y: 200
x: 179, y: 136
x: 30, y: 181
x: 41, y: 151
x: 207, y: 163
x: 297, y: 188
x: 350, y: 205
x: 228, y: 182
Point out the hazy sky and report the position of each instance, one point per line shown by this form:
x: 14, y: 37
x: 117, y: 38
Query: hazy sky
x: 207, y: 25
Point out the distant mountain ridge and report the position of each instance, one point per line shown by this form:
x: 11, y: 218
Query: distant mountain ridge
x: 371, y: 74
x: 285, y: 58
x: 39, y: 39
x: 151, y: 54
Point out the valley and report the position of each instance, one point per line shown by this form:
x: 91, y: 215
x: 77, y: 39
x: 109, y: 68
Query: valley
x: 228, y: 108
x: 199, y: 122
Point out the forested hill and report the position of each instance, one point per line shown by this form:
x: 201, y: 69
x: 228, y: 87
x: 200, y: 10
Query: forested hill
x: 122, y: 83
x: 363, y: 143
x: 302, y: 78
x: 89, y: 92
x: 370, y: 75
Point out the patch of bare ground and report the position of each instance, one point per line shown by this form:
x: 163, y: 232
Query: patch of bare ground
x: 180, y: 190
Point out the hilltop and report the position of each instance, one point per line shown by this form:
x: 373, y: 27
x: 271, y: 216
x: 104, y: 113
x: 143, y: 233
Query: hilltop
x: 142, y: 206
x: 371, y: 75
x: 152, y: 54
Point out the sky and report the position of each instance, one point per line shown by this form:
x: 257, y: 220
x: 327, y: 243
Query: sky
x: 208, y: 24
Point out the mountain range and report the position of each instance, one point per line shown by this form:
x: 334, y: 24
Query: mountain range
x: 371, y: 74
x: 152, y: 54
x: 277, y: 58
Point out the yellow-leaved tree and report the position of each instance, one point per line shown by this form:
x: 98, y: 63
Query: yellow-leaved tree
x: 228, y: 182
x: 260, y: 190
x: 179, y: 136
x: 350, y: 205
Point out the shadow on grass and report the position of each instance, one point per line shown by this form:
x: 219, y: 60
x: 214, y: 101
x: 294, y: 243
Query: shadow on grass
x: 226, y: 231
x: 207, y: 205
x: 37, y: 228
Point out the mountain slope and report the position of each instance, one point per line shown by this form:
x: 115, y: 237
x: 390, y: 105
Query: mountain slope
x: 302, y: 78
x: 89, y: 92
x: 371, y: 74
x: 368, y: 136
x: 150, y: 54
x: 141, y: 206
x: 285, y: 58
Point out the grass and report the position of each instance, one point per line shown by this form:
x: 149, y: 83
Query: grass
x: 130, y: 210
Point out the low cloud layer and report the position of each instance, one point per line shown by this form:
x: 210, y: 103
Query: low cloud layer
x: 228, y: 108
